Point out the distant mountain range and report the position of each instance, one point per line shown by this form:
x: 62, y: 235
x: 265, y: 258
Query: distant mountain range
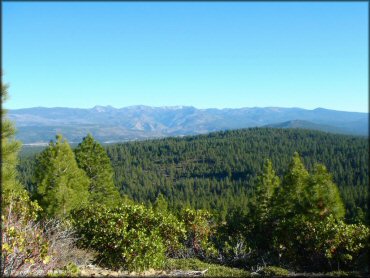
x: 108, y: 124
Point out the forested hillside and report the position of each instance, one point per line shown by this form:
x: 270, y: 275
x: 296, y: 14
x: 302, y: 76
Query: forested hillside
x: 218, y: 171
x: 288, y: 217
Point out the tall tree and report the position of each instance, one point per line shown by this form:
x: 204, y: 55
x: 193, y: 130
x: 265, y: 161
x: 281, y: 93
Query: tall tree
x: 323, y: 194
x: 260, y: 223
x: 62, y: 186
x: 93, y: 159
x: 9, y: 150
x: 313, y: 196
x: 267, y: 183
x: 290, y: 199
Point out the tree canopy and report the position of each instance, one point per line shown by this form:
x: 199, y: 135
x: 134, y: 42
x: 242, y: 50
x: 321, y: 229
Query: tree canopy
x: 93, y: 159
x: 62, y: 186
x: 9, y: 151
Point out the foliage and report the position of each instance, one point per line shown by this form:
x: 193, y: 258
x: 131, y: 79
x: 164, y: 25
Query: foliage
x: 292, y: 218
x: 199, y: 230
x: 160, y: 204
x: 128, y: 236
x: 308, y: 230
x: 93, y: 159
x: 326, y: 245
x: 25, y: 248
x: 267, y: 183
x: 291, y: 198
x: 33, y: 246
x: 234, y: 251
x: 273, y: 271
x: 213, y: 270
x: 230, y: 239
x: 218, y: 171
x: 62, y: 186
x: 298, y: 223
x: 9, y: 151
x: 259, y: 225
x: 70, y: 270
x: 323, y: 195
x: 302, y: 198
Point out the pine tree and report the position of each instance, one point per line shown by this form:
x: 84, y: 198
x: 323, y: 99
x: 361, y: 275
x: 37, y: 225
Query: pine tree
x: 160, y: 204
x: 323, y: 194
x: 260, y: 222
x: 290, y: 199
x: 62, y: 186
x: 93, y: 159
x: 9, y: 151
x: 267, y: 183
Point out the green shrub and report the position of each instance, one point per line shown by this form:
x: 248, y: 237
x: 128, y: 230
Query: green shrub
x: 324, y: 245
x: 130, y: 236
x: 199, y: 230
x: 273, y: 271
x: 71, y: 270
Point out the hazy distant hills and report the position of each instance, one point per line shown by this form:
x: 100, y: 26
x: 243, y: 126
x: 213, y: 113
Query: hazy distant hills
x: 108, y: 124
x: 308, y: 125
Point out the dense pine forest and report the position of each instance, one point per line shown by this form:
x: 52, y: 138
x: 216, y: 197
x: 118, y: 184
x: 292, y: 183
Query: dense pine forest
x: 218, y: 171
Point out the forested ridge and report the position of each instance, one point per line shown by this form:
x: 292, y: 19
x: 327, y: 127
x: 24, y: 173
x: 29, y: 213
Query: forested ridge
x: 217, y: 171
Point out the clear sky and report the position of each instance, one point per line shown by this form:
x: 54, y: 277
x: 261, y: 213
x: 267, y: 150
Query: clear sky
x: 222, y: 55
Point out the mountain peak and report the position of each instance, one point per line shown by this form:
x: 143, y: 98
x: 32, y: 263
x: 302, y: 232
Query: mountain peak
x: 100, y: 108
x: 135, y: 122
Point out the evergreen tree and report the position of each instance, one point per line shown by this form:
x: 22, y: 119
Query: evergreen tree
x: 290, y: 199
x: 93, y: 159
x: 312, y: 196
x: 9, y: 151
x: 172, y: 165
x: 160, y: 204
x: 62, y: 186
x: 260, y: 223
x: 323, y: 194
x: 267, y: 183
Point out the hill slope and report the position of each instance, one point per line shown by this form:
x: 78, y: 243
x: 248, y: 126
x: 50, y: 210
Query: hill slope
x: 308, y: 125
x: 217, y: 171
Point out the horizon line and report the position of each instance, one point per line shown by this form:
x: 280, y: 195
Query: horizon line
x: 182, y: 107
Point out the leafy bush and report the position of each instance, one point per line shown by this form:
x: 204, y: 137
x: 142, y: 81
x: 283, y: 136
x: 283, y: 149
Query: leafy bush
x: 25, y: 248
x: 130, y: 236
x: 199, y: 230
x: 326, y: 245
x: 234, y: 251
x: 345, y: 243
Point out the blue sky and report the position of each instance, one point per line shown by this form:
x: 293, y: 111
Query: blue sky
x: 222, y: 55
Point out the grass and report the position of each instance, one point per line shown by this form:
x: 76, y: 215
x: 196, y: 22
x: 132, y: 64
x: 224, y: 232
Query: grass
x: 214, y: 270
